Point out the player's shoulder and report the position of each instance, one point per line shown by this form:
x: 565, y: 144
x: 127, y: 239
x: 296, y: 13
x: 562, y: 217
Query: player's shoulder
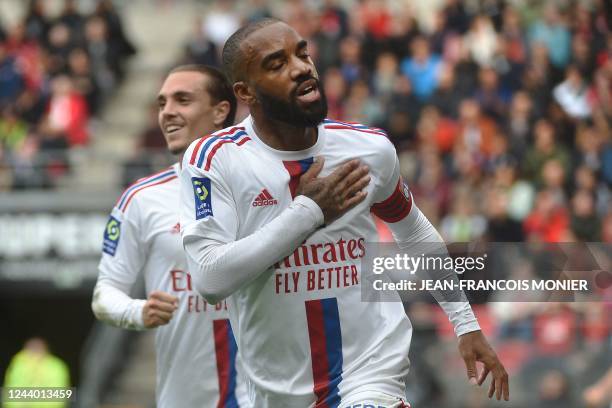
x: 146, y: 185
x: 356, y: 136
x: 215, y: 147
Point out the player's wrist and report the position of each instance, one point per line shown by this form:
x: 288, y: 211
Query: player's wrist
x: 138, y: 315
x: 311, y: 209
x: 467, y: 327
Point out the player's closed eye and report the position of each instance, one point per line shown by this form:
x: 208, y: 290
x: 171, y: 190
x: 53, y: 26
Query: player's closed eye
x: 276, y: 66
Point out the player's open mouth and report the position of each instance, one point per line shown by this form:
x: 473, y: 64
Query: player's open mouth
x: 308, y: 91
x: 173, y: 128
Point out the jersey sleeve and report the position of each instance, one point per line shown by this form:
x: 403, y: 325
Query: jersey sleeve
x: 415, y: 234
x: 219, y: 261
x: 123, y: 257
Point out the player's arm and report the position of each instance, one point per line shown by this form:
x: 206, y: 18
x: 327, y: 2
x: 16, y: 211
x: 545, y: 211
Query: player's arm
x: 218, y: 261
x: 122, y: 260
x: 412, y: 230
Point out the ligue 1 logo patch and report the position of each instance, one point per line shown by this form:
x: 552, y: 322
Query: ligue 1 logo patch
x: 112, y: 233
x: 202, y: 195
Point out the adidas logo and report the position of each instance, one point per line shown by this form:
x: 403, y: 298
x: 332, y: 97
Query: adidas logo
x: 264, y: 198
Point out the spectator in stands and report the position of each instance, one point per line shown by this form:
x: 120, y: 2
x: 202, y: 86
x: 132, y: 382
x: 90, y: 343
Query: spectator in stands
x: 361, y: 107
x: 422, y: 68
x: 105, y: 9
x: 476, y: 130
x: 58, y: 48
x: 67, y: 113
x: 11, y: 80
x: 402, y: 113
x: 571, y: 94
x: 447, y: 96
x: 333, y: 27
x: 54, y: 74
x: 481, y: 41
x: 584, y: 220
x: 74, y: 20
x: 105, y: 56
x: 220, y: 21
x: 548, y: 222
x: 36, y: 21
x: 500, y: 227
x: 83, y: 79
x: 491, y: 95
x: 350, y: 60
x: 12, y: 129
x: 551, y: 30
x: 555, y: 391
x: 464, y: 223
x: 517, y: 124
x: 543, y: 150
x: 335, y: 91
x: 200, y: 49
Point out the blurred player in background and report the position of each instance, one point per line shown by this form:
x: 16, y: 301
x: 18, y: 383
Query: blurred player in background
x: 195, y: 347
x: 35, y: 366
x: 282, y: 235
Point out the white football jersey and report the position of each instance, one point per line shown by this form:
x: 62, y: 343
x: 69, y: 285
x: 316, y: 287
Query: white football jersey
x: 304, y: 334
x: 196, y: 352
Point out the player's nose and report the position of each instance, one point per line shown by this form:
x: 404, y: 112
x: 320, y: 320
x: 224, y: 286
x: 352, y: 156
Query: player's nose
x: 300, y: 67
x: 168, y: 110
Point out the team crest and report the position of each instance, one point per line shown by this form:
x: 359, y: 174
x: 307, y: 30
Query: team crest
x: 202, y: 195
x: 112, y: 233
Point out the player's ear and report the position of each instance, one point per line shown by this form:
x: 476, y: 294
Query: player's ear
x: 244, y: 93
x: 220, y: 112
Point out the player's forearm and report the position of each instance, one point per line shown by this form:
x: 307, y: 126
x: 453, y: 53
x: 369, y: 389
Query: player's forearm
x: 416, y: 232
x: 113, y: 306
x: 219, y: 269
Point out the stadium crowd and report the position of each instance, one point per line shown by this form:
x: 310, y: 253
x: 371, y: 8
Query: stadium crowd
x: 500, y: 110
x: 55, y: 74
x: 501, y: 113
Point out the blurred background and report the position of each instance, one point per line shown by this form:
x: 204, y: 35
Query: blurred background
x: 500, y: 111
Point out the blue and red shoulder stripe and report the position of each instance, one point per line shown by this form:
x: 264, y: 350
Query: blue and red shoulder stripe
x: 336, y: 124
x: 163, y: 176
x: 207, y: 146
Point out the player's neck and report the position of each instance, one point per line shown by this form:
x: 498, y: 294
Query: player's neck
x: 283, y: 136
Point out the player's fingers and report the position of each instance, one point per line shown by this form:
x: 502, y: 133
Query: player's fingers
x: 314, y: 169
x: 163, y: 296
x: 506, y: 389
x: 352, y: 178
x: 502, y: 385
x: 160, y: 322
x: 151, y: 321
x: 483, y: 375
x: 492, y: 387
x: 354, y: 200
x: 356, y: 186
x: 343, y: 171
x: 164, y: 316
x: 498, y: 388
x: 163, y: 306
x: 470, y: 365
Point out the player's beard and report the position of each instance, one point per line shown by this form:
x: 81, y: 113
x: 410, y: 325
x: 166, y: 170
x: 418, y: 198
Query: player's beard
x: 290, y: 112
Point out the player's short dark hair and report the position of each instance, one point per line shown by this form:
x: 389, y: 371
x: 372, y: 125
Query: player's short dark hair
x: 218, y: 87
x: 232, y: 55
